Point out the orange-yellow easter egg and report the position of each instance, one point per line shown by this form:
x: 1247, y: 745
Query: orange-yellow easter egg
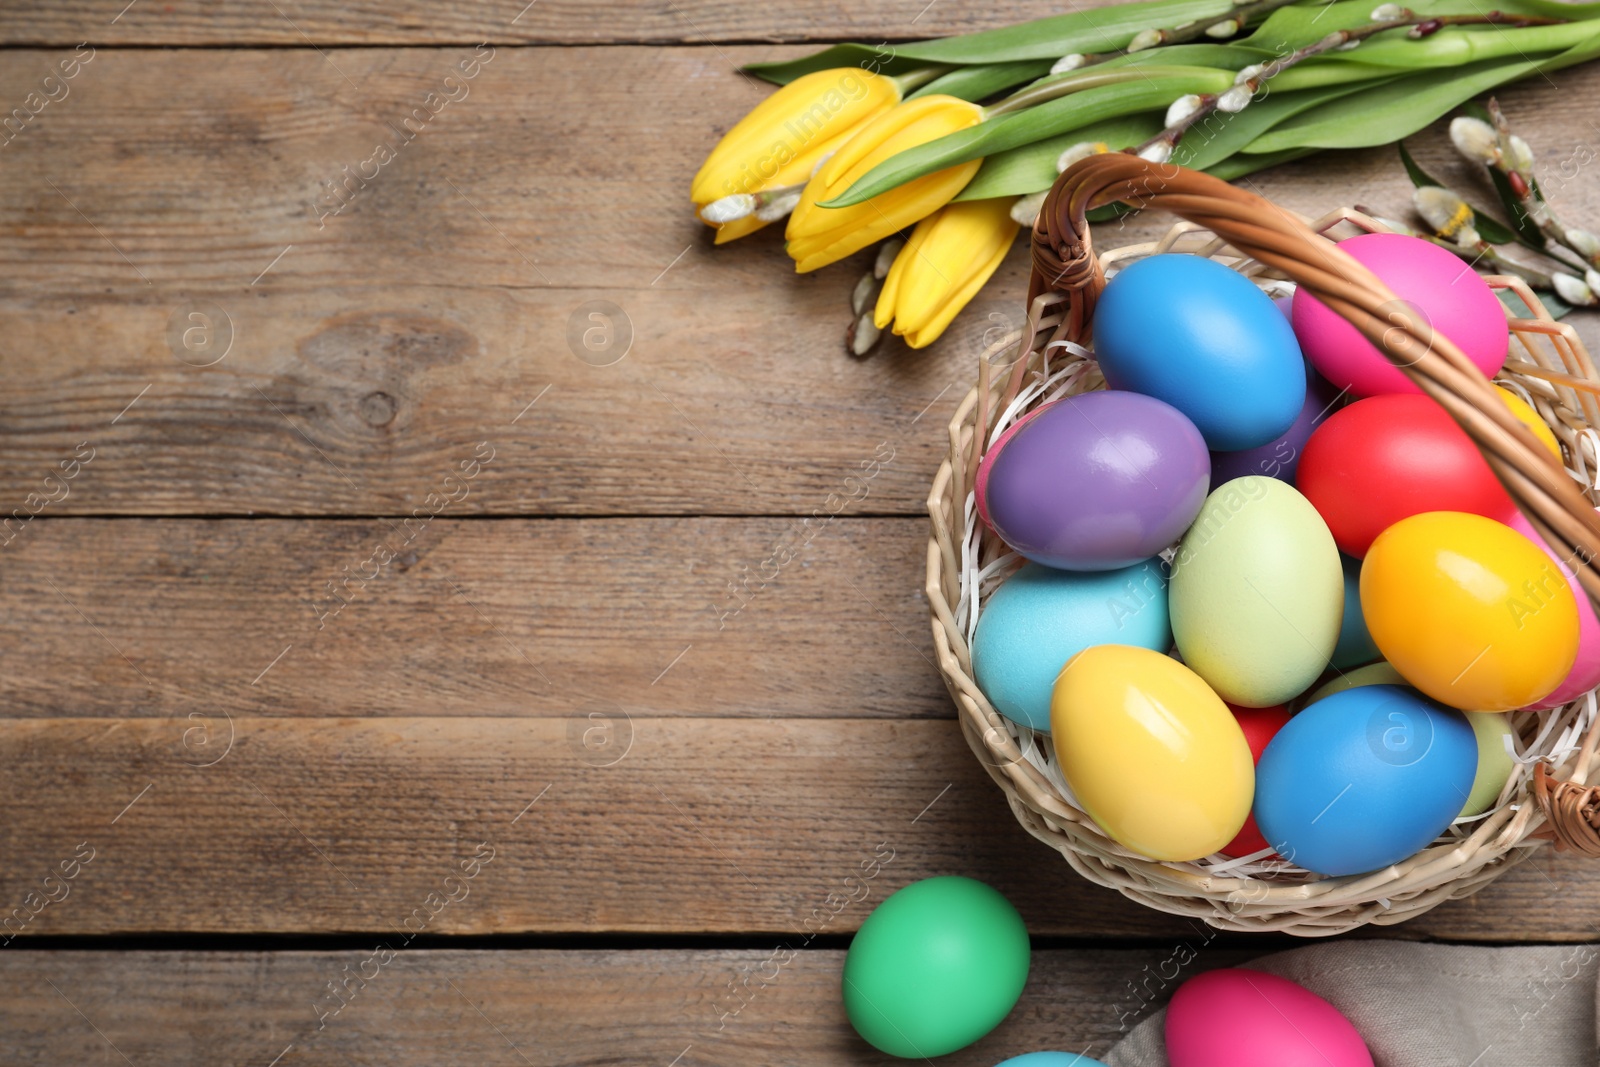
x: 1469, y: 611
x: 1531, y: 419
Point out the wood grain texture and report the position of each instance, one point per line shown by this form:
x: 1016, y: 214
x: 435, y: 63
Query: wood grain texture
x: 412, y: 22
x: 656, y: 825
x: 716, y: 1007
x: 701, y: 617
x: 373, y: 350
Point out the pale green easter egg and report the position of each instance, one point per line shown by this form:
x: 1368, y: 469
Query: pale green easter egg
x: 1494, y: 762
x: 1257, y: 593
x: 1379, y: 673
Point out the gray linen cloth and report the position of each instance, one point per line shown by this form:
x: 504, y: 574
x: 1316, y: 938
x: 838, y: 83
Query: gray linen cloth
x: 1438, y: 1005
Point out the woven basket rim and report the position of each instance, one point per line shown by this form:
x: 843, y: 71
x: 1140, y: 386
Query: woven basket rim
x: 1531, y: 810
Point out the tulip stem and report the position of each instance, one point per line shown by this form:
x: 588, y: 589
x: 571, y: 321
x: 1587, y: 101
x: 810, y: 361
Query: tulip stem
x: 1160, y: 146
x: 913, y: 80
x: 1077, y: 81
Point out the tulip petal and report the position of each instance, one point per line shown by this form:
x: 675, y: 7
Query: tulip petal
x: 893, y: 211
x: 732, y: 231
x: 950, y: 256
x: 792, y: 129
x: 931, y: 332
x: 883, y: 312
x: 818, y: 236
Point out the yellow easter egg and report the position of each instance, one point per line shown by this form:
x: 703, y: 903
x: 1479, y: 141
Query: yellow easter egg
x: 1151, y: 752
x: 1531, y: 419
x: 1469, y: 611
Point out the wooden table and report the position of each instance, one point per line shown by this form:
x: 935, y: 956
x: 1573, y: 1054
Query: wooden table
x: 388, y: 684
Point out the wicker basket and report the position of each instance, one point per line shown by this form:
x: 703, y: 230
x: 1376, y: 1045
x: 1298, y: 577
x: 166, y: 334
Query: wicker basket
x: 1549, y: 797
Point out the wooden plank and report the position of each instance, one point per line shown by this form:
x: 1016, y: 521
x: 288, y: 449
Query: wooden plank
x: 373, y: 354
x: 733, y: 826
x: 412, y: 22
x: 710, y: 1007
x: 701, y: 617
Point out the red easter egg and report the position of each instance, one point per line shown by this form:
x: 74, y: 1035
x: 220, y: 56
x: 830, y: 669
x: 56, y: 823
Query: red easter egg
x: 1389, y: 457
x: 1260, y: 725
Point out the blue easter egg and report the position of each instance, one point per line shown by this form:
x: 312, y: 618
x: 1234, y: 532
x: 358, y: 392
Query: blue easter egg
x: 1189, y: 331
x: 1355, y: 646
x: 1041, y: 617
x: 1363, y: 779
x: 1050, y: 1059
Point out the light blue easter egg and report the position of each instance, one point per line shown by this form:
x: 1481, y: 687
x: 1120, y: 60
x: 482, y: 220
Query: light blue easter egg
x: 1355, y: 645
x: 1050, y: 1059
x: 1041, y: 617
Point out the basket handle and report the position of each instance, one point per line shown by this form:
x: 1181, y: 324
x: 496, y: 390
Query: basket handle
x: 1064, y: 262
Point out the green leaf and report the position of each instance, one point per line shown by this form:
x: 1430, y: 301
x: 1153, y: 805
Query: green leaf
x: 1420, y: 178
x: 1240, y: 164
x: 881, y: 60
x: 1111, y: 28
x: 1556, y: 306
x: 1219, y: 56
x: 1032, y: 167
x: 1299, y: 25
x: 1100, y: 29
x: 980, y: 82
x: 1386, y: 113
x: 1147, y: 91
x: 1220, y: 135
x: 1488, y: 227
x: 1109, y: 212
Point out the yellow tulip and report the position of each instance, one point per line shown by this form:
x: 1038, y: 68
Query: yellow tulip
x: 818, y: 236
x: 950, y: 255
x: 781, y: 141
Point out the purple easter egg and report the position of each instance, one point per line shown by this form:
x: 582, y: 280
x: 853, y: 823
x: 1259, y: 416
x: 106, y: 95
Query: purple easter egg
x: 1096, y: 481
x: 1280, y: 457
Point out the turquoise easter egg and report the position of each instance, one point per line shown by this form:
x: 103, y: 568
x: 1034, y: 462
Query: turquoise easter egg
x: 1257, y: 593
x: 1041, y: 617
x: 1050, y: 1059
x: 1355, y: 645
x: 1187, y: 330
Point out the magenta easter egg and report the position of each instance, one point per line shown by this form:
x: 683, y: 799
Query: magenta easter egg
x: 1585, y: 673
x: 1097, y: 481
x: 1452, y: 299
x: 1240, y: 1018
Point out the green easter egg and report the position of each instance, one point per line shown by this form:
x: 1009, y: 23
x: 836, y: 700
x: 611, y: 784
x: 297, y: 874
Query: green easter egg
x: 1494, y: 762
x: 935, y: 967
x: 1379, y: 673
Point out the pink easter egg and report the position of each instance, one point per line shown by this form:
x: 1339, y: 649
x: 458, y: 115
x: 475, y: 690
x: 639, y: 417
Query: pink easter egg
x: 1585, y: 673
x: 1239, y: 1018
x: 1452, y: 298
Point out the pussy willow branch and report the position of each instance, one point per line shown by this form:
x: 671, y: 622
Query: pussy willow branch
x: 1474, y: 252
x: 1038, y: 93
x: 1533, y: 203
x: 1161, y: 145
